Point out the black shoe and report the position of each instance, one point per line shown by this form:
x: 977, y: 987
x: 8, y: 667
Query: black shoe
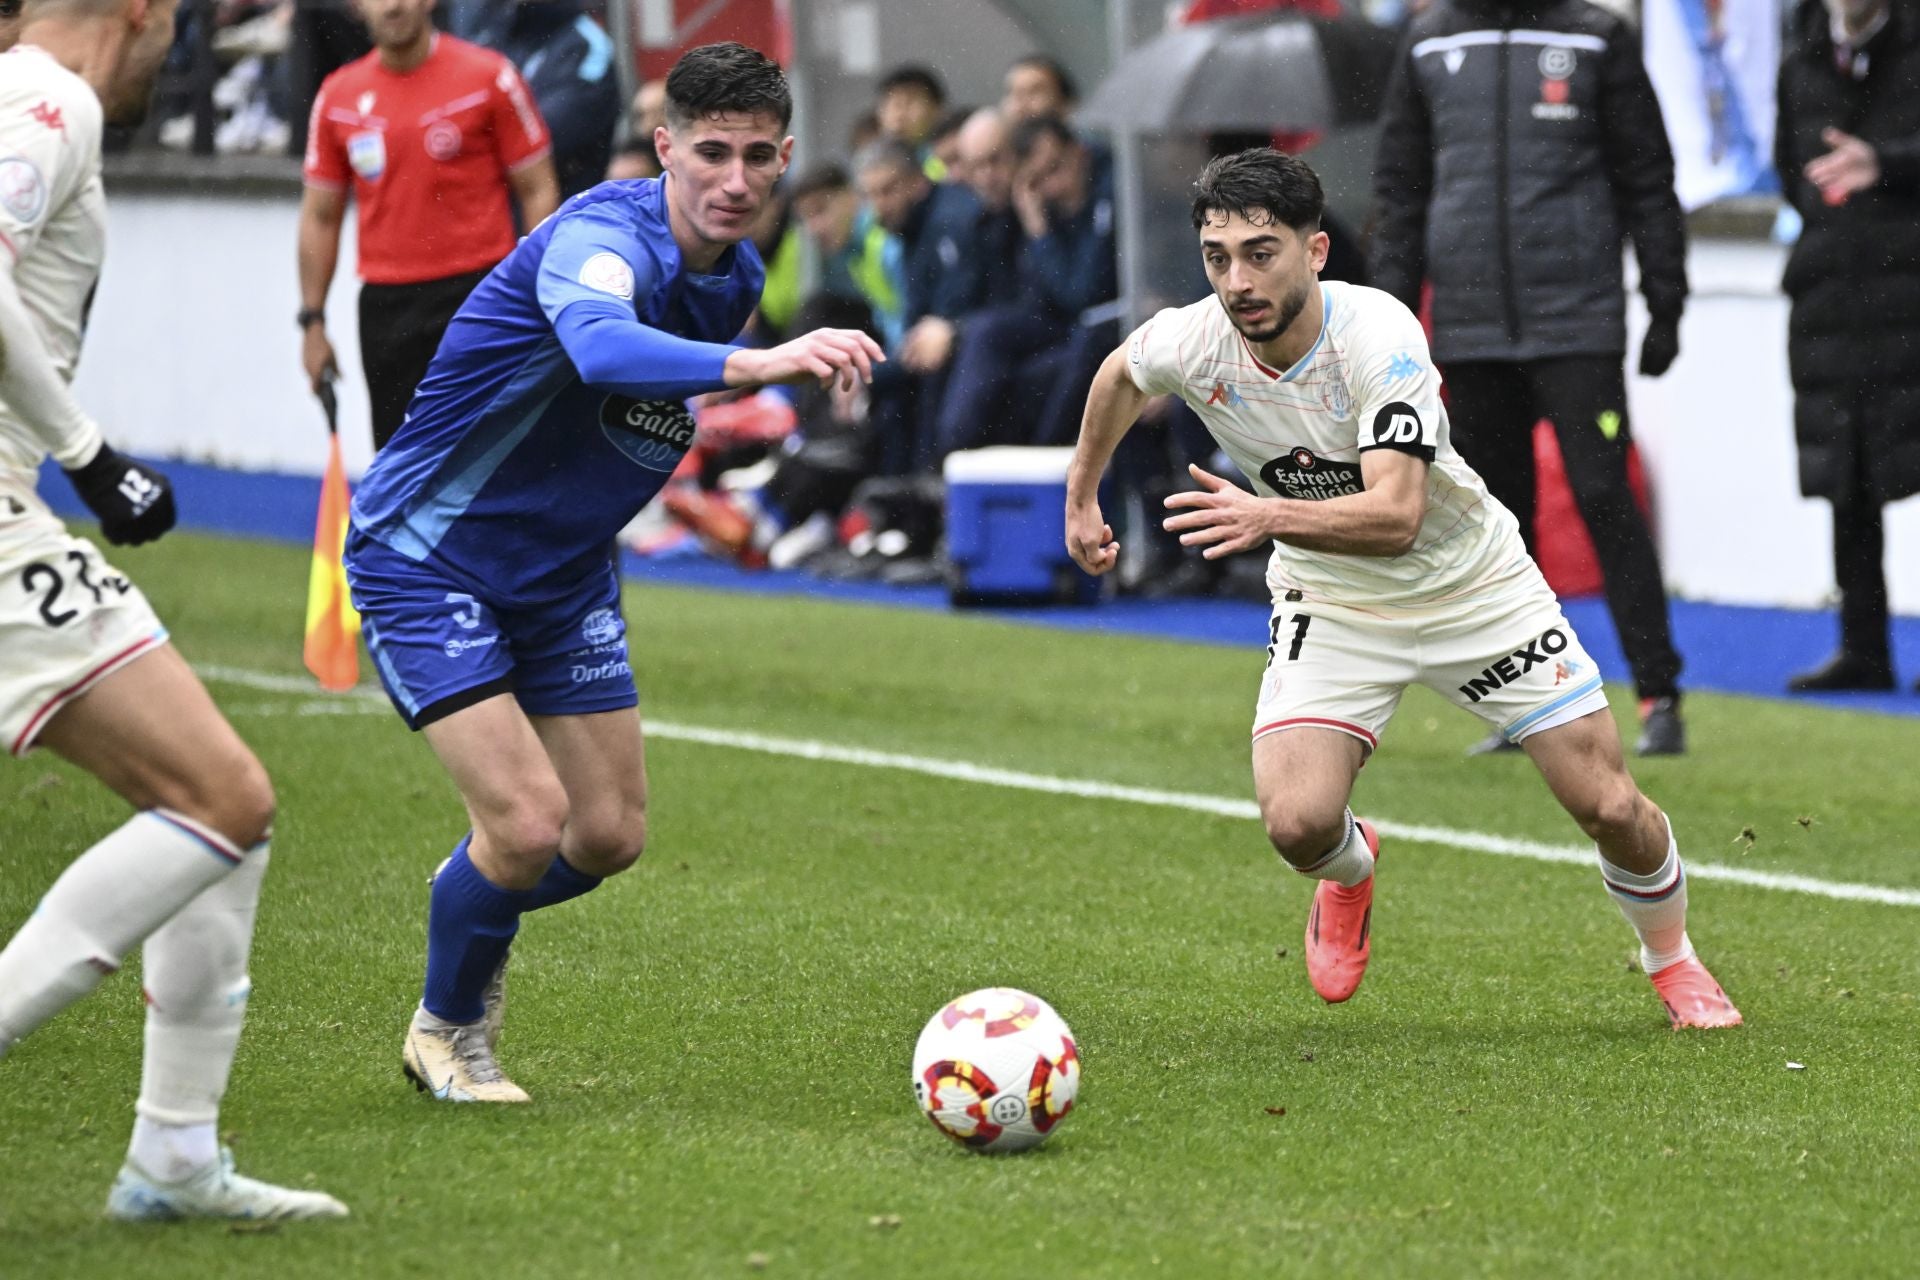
x: 1845, y: 672
x: 1493, y: 744
x: 1662, y: 732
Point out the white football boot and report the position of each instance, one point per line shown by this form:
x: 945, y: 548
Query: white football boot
x: 456, y: 1064
x: 217, y: 1191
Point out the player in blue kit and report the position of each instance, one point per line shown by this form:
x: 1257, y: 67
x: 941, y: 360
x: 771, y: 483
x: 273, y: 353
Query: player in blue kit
x: 552, y: 413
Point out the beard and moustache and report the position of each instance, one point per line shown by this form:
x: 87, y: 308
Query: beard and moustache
x: 1284, y: 315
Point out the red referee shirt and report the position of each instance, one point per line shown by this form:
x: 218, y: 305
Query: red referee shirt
x: 427, y: 152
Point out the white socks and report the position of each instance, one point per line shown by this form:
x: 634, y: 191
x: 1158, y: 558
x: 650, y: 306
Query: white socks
x: 101, y: 907
x: 1349, y: 863
x: 172, y: 1153
x: 190, y: 895
x: 1655, y: 905
x: 196, y: 987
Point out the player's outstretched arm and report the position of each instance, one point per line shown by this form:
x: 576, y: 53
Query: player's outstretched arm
x: 1381, y: 520
x: 1113, y: 403
x: 132, y: 500
x: 845, y: 356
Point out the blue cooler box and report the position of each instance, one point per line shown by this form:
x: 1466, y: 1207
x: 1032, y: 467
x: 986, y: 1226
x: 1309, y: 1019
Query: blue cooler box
x: 1007, y: 528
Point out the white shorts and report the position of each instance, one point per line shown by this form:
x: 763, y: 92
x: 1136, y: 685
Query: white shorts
x: 1511, y: 659
x: 68, y: 619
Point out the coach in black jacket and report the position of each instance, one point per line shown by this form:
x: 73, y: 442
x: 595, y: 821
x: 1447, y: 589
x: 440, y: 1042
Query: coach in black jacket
x: 1521, y: 143
x: 1848, y: 152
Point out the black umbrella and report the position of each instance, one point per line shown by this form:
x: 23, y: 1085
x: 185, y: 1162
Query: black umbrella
x: 1280, y: 71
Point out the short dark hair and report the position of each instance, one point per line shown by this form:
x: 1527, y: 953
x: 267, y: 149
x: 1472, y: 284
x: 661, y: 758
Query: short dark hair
x: 888, y: 153
x: 1263, y: 186
x: 913, y: 76
x: 950, y: 123
x: 729, y: 77
x: 819, y: 180
x: 1062, y: 78
x: 1027, y: 134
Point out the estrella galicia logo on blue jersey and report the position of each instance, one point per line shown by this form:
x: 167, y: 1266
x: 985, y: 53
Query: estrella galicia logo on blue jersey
x: 602, y: 626
x: 654, y: 434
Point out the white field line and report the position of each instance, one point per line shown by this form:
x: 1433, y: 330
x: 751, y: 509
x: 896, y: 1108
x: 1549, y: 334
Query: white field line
x: 368, y: 701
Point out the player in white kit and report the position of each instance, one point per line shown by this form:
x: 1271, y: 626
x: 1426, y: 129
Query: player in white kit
x: 85, y: 667
x: 1391, y: 566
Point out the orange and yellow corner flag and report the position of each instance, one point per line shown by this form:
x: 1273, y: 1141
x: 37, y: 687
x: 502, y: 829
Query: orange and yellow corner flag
x: 332, y: 649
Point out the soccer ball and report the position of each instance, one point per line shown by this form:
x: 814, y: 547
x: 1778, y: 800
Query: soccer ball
x: 996, y: 1070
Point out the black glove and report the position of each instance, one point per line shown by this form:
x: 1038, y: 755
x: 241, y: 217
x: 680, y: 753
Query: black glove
x: 1660, y: 346
x: 134, y: 502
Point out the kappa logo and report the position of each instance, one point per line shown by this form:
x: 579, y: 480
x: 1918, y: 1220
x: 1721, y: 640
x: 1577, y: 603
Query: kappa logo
x: 1229, y: 396
x: 49, y: 115
x: 1534, y: 653
x: 654, y: 434
x: 1565, y: 671
x: 1404, y: 365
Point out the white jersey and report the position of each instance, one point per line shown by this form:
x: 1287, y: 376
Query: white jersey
x: 1368, y: 383
x: 53, y: 222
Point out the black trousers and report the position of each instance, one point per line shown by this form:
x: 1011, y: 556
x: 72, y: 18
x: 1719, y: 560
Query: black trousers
x: 1493, y: 406
x: 400, y: 329
x: 1859, y: 547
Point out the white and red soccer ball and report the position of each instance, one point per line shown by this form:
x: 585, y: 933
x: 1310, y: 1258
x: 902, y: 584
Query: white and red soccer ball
x: 996, y: 1070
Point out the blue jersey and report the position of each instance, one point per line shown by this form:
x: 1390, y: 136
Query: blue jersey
x: 551, y: 413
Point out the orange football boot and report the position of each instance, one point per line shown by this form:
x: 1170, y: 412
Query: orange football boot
x: 1340, y: 931
x: 1692, y: 997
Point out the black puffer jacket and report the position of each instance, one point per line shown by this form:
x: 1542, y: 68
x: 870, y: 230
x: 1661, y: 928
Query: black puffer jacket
x: 1853, y: 342
x: 1520, y: 143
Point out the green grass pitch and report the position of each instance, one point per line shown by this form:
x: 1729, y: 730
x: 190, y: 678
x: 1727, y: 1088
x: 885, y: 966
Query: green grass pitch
x: 718, y: 1042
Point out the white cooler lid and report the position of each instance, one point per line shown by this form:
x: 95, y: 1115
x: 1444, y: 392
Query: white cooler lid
x: 1009, y: 463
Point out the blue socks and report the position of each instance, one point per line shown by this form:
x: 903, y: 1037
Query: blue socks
x: 471, y: 924
x: 560, y: 884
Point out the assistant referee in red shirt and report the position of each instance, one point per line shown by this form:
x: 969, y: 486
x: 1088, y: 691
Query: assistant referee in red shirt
x: 431, y: 134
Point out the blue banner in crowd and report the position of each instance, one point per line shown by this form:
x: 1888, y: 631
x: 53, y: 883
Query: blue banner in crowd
x: 1713, y: 64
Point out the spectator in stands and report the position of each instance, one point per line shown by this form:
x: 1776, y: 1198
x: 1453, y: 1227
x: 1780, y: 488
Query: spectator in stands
x: 1038, y: 85
x: 983, y: 162
x: 943, y: 142
x: 1020, y: 372
x: 326, y: 35
x: 856, y: 257
x: 908, y: 103
x: 863, y: 132
x: 1515, y: 209
x: 936, y: 226
x: 634, y: 158
x: 567, y: 60
x: 648, y: 110
x: 432, y: 187
x: 1848, y: 153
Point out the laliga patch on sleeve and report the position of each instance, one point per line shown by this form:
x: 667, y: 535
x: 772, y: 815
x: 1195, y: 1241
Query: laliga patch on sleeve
x: 1397, y: 426
x: 23, y: 192
x: 608, y: 273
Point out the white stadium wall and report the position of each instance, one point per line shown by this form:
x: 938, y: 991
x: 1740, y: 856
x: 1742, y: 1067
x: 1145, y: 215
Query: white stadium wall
x: 192, y: 353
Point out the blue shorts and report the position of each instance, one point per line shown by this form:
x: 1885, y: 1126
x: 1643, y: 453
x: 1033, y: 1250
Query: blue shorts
x: 440, y: 646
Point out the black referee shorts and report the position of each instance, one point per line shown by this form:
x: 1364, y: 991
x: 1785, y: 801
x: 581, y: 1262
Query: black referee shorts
x: 400, y: 329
